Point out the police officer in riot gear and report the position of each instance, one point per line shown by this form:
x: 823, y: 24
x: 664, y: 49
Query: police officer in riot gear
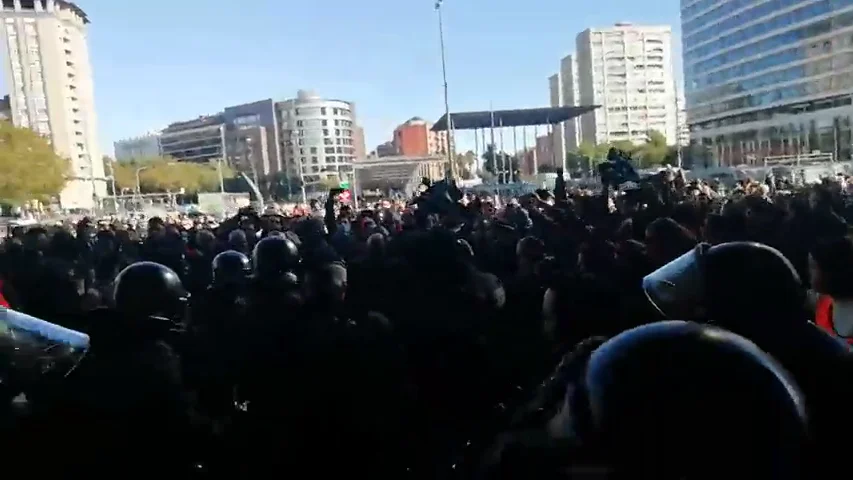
x: 149, y: 289
x: 231, y: 268
x: 219, y: 325
x: 129, y: 385
x: 753, y: 290
x: 662, y: 399
x: 275, y: 260
x: 274, y: 256
x: 666, y: 400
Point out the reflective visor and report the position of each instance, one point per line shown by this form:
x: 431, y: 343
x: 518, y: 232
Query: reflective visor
x: 31, y: 347
x: 676, y: 289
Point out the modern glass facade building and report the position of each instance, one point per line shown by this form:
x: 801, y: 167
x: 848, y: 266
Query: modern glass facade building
x: 768, y: 77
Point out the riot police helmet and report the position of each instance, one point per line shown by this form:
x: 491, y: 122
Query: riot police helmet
x: 731, y: 282
x: 149, y: 289
x: 275, y: 255
x: 231, y: 267
x: 679, y: 399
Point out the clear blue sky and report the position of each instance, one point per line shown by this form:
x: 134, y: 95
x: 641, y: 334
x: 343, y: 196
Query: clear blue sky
x: 158, y: 61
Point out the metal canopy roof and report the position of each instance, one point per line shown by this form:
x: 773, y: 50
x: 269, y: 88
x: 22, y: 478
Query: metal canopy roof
x: 511, y: 118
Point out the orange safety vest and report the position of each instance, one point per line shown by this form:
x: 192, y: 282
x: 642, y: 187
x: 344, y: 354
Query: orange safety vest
x: 3, y: 301
x: 823, y: 317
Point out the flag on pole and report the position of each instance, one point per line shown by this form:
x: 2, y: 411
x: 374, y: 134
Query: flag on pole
x: 438, y: 4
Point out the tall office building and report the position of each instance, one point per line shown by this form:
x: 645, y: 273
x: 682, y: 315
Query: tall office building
x: 569, y: 76
x: 252, y: 137
x: 245, y: 136
x: 768, y: 78
x: 555, y: 88
x: 627, y: 70
x: 143, y: 146
x: 50, y: 82
x: 317, y: 137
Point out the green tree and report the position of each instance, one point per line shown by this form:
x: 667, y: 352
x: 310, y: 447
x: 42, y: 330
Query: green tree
x: 165, y: 175
x: 575, y: 162
x: 494, y: 162
x: 595, y: 152
x: 626, y: 146
x: 655, y: 151
x: 331, y: 181
x: 29, y: 168
x: 466, y: 163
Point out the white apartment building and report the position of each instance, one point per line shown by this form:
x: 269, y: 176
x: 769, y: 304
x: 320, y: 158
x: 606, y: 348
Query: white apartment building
x: 571, y: 96
x: 768, y: 78
x: 50, y: 82
x: 317, y: 137
x: 555, y: 87
x: 627, y: 70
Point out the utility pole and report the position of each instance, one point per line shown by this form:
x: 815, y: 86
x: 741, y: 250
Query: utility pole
x: 449, y: 124
x: 219, y: 162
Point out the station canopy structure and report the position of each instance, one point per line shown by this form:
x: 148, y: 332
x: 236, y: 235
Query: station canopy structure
x: 525, y: 117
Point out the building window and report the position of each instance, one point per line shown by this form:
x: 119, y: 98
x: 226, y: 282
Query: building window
x: 313, y: 149
x: 313, y: 159
x: 325, y: 122
x: 323, y: 112
x: 325, y: 132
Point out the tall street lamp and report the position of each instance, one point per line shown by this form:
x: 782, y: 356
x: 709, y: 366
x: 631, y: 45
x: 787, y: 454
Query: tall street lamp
x: 438, y: 4
x: 138, y: 171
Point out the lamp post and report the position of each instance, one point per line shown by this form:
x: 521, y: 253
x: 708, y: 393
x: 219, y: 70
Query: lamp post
x: 220, y: 160
x: 448, y: 127
x: 138, y: 187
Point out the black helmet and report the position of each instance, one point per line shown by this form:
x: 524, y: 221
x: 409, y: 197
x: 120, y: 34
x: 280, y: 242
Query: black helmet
x: 685, y: 400
x: 731, y: 281
x: 149, y: 289
x: 230, y: 267
x: 274, y: 256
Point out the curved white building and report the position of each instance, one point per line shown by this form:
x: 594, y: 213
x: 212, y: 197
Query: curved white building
x: 317, y: 137
x: 771, y: 77
x: 50, y: 84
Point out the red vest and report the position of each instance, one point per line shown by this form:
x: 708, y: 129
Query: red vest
x: 3, y: 302
x: 823, y: 317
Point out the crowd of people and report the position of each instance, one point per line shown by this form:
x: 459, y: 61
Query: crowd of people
x: 659, y: 330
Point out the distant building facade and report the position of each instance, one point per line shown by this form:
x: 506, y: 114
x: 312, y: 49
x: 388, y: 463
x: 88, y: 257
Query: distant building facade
x: 49, y: 76
x: 569, y: 85
x: 628, y: 71
x: 318, y: 137
x: 555, y: 88
x: 252, y: 138
x: 769, y: 78
x: 416, y: 138
x: 145, y: 146
x: 386, y: 149
x: 546, y: 151
x: 200, y: 140
x: 245, y: 136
